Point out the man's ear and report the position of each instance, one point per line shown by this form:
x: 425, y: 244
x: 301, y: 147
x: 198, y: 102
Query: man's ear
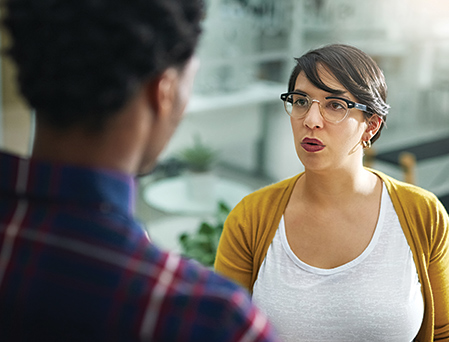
x: 373, y: 125
x: 162, y: 92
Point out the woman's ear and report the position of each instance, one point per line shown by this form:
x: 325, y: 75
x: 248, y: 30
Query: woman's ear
x: 373, y: 125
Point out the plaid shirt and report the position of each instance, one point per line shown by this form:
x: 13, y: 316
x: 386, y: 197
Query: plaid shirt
x: 75, y: 266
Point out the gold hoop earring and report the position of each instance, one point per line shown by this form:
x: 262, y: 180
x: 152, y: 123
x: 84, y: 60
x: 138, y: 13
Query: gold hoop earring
x: 366, y: 144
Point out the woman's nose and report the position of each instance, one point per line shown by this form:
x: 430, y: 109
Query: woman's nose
x: 313, y: 118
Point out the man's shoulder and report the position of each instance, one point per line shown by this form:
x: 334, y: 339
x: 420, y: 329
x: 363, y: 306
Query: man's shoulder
x: 188, y: 276
x: 215, y: 308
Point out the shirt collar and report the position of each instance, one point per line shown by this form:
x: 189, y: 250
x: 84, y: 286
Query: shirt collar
x: 67, y: 183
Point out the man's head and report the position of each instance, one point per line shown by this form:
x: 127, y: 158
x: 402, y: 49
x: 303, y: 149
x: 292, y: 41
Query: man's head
x: 80, y: 61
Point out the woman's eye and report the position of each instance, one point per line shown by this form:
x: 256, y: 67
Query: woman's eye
x: 335, y: 105
x: 301, y: 102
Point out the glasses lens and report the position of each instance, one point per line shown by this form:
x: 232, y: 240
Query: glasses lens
x: 288, y: 105
x: 334, y: 110
x: 297, y: 105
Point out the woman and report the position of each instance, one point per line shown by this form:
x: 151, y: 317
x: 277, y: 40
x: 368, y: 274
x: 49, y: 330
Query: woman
x: 341, y: 252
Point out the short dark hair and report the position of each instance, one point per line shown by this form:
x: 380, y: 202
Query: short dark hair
x: 354, y: 69
x: 80, y: 61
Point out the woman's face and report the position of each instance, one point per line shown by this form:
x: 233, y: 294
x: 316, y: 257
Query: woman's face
x: 322, y: 145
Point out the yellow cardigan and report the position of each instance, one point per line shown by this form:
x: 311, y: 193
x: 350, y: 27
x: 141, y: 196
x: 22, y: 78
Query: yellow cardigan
x: 252, y: 224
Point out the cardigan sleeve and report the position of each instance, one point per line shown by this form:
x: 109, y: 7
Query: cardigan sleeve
x: 234, y: 256
x: 430, y: 223
x: 439, y: 273
x: 249, y: 230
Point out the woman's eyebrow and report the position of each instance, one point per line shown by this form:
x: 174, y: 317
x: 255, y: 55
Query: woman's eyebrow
x: 342, y: 96
x: 335, y: 93
x: 299, y: 91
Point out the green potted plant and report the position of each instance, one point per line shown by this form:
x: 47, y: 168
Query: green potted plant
x: 198, y: 157
x: 202, y: 244
x: 200, y: 180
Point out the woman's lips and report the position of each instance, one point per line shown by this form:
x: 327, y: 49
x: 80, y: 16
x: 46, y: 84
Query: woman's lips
x: 312, y: 145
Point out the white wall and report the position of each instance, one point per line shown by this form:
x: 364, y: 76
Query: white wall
x: 238, y: 113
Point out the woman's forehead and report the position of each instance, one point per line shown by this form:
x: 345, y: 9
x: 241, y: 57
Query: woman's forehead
x: 304, y: 84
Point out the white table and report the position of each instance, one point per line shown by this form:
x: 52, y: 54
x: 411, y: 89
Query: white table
x: 170, y: 195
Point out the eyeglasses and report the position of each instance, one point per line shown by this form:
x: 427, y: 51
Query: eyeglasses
x: 334, y: 109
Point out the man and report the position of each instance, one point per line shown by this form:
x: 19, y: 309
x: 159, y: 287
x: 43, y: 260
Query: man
x: 109, y: 80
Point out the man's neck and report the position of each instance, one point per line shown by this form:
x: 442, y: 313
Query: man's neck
x: 78, y: 146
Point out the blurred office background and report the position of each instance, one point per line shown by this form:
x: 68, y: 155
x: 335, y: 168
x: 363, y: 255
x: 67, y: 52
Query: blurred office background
x: 246, y: 54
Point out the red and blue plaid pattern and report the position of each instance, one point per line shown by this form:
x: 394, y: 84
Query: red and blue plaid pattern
x: 76, y: 266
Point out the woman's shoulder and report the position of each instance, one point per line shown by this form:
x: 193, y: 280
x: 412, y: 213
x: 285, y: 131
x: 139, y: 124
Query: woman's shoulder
x: 403, y: 188
x: 418, y: 210
x: 410, y: 196
x: 267, y: 200
x: 271, y: 191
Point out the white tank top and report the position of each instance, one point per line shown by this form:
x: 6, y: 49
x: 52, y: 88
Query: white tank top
x: 375, y: 297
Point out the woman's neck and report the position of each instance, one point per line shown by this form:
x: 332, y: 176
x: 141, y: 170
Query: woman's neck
x: 337, y: 186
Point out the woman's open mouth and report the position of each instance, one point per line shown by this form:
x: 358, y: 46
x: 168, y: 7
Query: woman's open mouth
x: 312, y: 145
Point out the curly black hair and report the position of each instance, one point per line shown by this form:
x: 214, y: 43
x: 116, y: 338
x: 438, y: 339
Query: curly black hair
x: 80, y: 61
